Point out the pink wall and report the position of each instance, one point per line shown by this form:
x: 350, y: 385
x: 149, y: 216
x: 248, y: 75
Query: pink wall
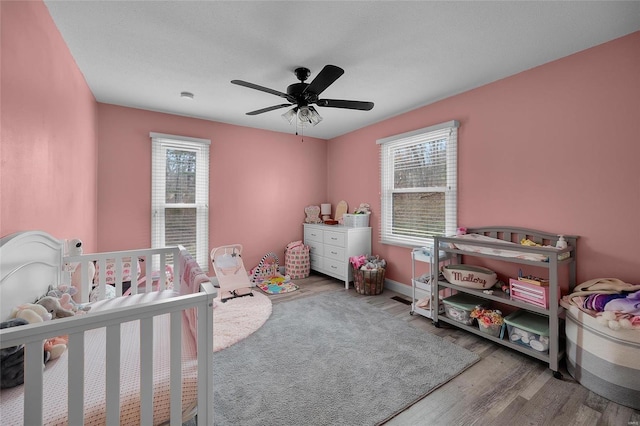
x: 554, y: 148
x: 48, y: 146
x: 260, y: 181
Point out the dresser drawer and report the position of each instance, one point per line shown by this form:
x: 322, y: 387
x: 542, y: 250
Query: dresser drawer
x: 334, y: 238
x: 335, y: 252
x: 312, y: 234
x: 317, y: 262
x: 335, y: 268
x: 315, y: 247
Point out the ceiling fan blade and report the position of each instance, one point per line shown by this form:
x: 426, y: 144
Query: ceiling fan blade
x: 341, y: 103
x: 324, y: 79
x: 271, y: 108
x: 263, y: 89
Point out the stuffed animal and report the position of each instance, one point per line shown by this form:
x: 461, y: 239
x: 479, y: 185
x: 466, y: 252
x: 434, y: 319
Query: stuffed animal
x: 56, y: 346
x: 364, y: 208
x: 31, y: 312
x: 52, y: 305
x: 65, y: 295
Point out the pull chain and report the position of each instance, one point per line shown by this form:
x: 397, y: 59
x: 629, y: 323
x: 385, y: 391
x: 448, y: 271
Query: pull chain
x: 301, y: 131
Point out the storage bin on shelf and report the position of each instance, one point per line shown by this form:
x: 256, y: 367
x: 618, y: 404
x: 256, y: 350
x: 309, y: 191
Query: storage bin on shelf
x: 459, y: 306
x: 492, y: 330
x: 525, y: 291
x: 356, y: 220
x: 528, y: 329
x: 490, y: 321
x: 368, y: 281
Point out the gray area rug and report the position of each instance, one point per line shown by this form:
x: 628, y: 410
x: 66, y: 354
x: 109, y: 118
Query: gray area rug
x: 330, y: 359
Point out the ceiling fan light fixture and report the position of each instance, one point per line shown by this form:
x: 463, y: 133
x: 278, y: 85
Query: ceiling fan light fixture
x: 307, y: 115
x: 290, y: 115
x: 314, y: 117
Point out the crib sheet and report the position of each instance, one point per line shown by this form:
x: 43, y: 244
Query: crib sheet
x: 55, y: 377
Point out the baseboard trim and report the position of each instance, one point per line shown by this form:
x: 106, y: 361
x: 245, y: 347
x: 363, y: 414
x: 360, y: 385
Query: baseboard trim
x: 397, y: 287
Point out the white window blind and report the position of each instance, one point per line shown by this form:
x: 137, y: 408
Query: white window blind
x: 418, y: 173
x: 180, y: 194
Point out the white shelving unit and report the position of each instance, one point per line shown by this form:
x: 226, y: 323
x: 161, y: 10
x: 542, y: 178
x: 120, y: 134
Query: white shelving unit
x: 420, y: 290
x: 554, y: 312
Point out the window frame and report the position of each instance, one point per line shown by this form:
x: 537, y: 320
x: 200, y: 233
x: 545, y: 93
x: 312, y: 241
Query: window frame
x: 411, y: 139
x: 161, y: 143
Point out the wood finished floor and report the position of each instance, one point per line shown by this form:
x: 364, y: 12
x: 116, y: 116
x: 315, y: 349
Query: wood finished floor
x: 504, y: 388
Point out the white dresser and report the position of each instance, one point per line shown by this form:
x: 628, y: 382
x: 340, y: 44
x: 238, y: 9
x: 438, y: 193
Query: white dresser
x: 330, y: 247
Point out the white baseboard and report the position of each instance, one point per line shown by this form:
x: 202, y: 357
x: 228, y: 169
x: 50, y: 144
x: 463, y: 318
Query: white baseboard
x: 397, y: 287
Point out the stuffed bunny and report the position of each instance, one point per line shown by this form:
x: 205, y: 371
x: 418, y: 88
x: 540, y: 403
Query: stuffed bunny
x: 53, y: 306
x: 31, y: 312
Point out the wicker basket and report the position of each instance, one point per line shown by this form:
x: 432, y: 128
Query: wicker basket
x: 368, y: 282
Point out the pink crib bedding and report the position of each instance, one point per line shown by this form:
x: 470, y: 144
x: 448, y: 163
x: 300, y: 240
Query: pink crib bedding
x: 55, y: 377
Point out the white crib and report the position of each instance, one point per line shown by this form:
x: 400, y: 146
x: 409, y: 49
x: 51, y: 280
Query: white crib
x: 161, y: 330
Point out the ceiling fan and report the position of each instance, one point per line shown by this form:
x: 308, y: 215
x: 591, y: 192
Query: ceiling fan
x: 303, y: 95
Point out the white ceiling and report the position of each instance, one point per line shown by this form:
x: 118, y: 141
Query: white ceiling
x: 399, y: 55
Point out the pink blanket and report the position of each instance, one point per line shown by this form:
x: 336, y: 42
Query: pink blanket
x: 191, y: 276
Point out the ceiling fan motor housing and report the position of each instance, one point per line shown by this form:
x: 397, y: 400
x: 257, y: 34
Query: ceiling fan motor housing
x: 297, y: 90
x: 302, y: 73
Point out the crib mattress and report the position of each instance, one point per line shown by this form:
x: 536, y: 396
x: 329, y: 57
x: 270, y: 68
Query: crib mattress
x: 603, y: 360
x: 55, y: 376
x: 536, y: 257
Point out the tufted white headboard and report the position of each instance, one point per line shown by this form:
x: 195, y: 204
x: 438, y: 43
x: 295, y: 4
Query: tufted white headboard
x: 30, y: 262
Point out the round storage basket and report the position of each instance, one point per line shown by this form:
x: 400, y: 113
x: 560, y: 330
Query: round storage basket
x: 469, y: 276
x: 369, y: 282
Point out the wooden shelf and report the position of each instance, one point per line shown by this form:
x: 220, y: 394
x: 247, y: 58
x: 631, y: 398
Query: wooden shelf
x: 497, y: 296
x: 544, y: 356
x: 554, y: 313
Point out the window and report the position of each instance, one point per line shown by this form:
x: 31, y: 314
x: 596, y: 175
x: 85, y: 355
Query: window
x: 180, y: 194
x: 419, y: 185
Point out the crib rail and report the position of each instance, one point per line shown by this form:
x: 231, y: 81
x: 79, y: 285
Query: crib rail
x: 32, y: 337
x: 142, y: 262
